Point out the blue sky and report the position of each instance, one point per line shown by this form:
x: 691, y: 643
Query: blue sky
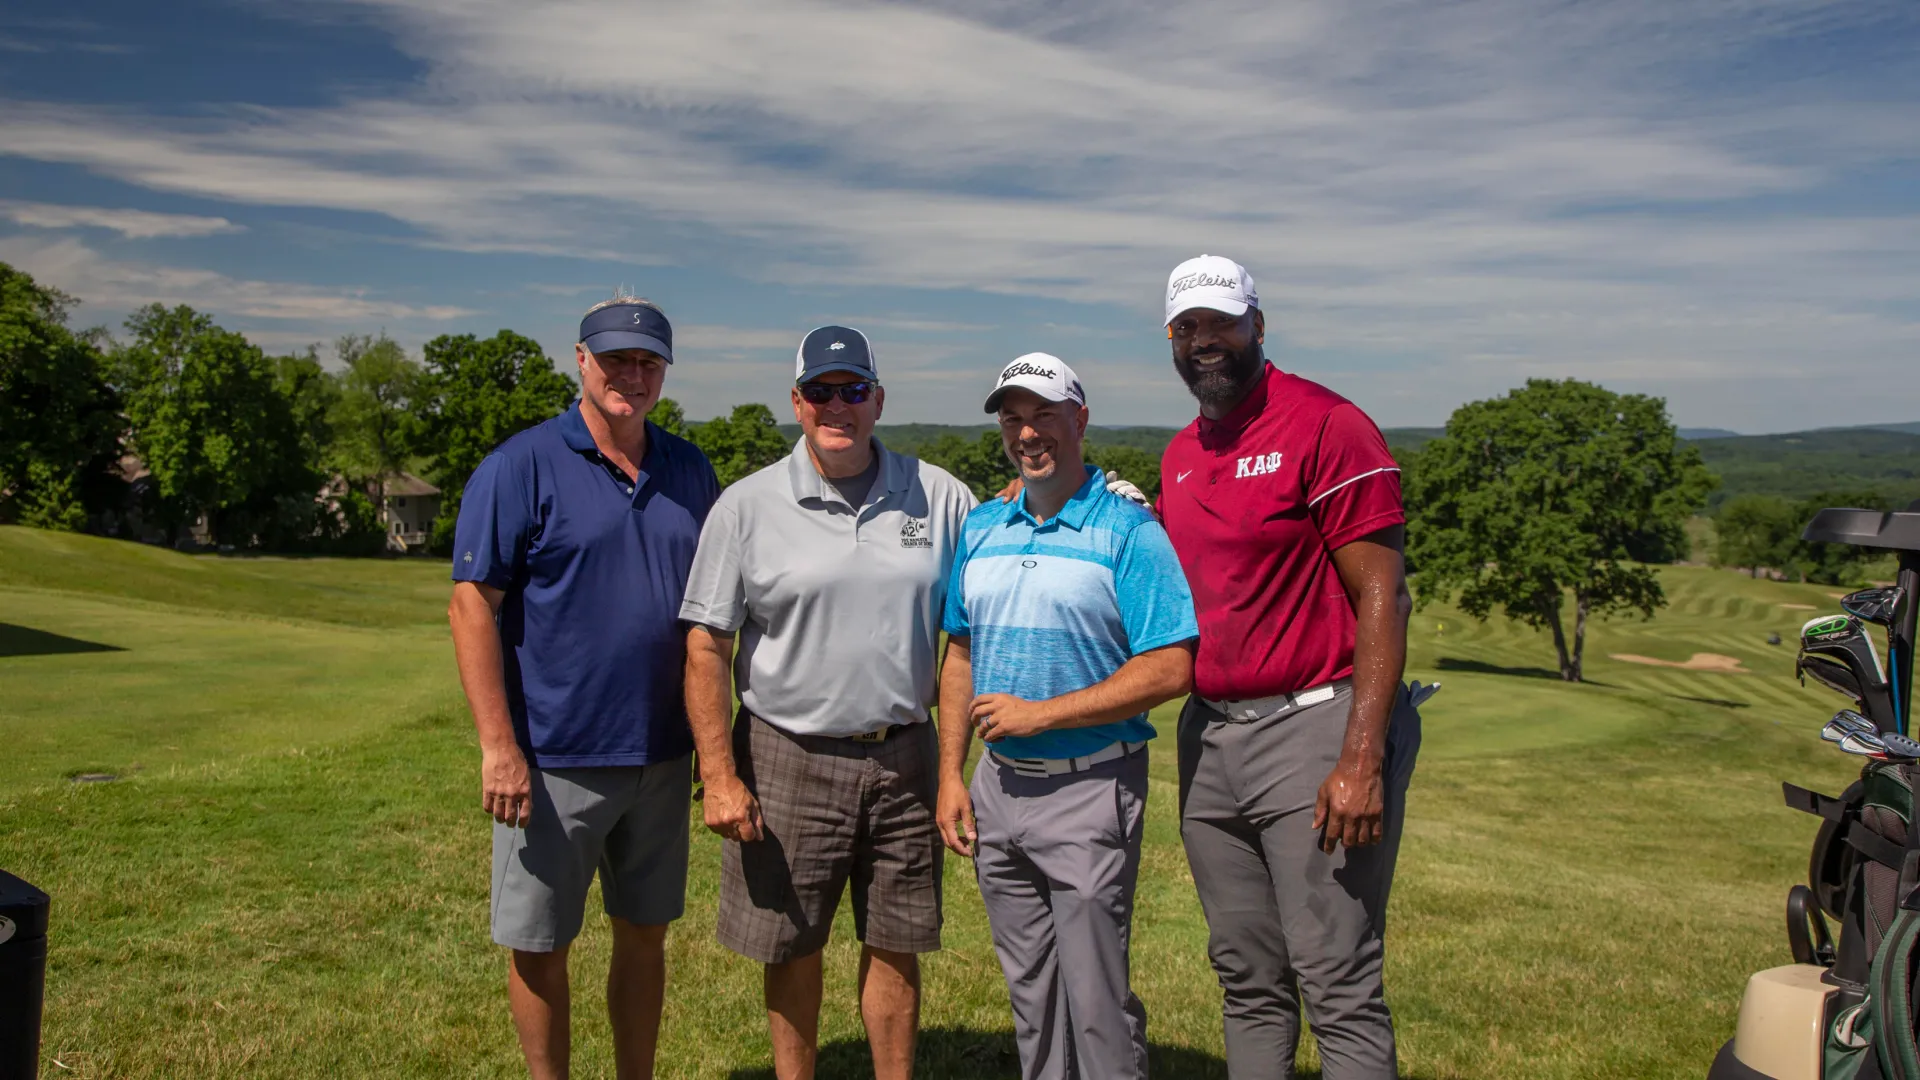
x: 1715, y: 201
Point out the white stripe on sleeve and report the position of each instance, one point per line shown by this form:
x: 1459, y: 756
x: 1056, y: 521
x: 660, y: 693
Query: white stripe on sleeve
x: 1356, y: 479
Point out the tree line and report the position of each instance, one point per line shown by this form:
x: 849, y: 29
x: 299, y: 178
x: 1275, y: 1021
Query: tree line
x: 268, y: 452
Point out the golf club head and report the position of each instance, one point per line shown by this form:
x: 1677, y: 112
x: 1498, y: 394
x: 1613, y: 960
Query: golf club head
x: 1848, y: 722
x: 1863, y: 746
x: 1842, y: 640
x: 1851, y: 719
x: 1831, y: 673
x: 1900, y: 746
x: 1873, y: 605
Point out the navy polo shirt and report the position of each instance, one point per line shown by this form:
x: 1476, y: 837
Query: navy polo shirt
x: 594, y: 567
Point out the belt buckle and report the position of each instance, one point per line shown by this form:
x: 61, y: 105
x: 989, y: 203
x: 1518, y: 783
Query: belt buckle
x: 1030, y: 767
x: 872, y: 736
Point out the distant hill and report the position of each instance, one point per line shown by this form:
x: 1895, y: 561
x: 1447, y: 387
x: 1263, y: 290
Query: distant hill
x: 1806, y: 463
x: 1697, y: 433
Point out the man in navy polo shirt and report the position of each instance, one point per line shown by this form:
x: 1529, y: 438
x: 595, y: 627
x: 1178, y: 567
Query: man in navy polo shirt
x: 570, y: 560
x: 1296, y: 748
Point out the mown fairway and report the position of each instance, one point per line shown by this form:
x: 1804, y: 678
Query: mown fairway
x: 291, y: 878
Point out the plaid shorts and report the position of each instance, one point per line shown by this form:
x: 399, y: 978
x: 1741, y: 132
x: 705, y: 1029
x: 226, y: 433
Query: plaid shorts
x: 834, y: 809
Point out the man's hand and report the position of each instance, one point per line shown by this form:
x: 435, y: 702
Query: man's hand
x: 1350, y: 804
x: 731, y: 809
x: 506, y: 790
x: 1012, y: 491
x: 1002, y: 716
x: 1126, y: 489
x: 954, y: 812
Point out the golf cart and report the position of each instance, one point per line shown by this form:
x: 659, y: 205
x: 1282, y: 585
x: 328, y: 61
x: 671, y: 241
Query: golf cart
x: 1847, y: 1008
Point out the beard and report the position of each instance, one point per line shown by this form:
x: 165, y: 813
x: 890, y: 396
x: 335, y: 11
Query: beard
x: 1226, y: 385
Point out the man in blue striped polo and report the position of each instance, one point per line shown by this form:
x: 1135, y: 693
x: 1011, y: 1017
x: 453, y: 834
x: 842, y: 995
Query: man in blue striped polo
x: 1068, y: 618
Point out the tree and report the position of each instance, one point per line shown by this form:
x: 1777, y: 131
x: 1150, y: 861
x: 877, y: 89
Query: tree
x: 476, y: 394
x: 59, y: 429
x: 1829, y: 564
x: 1556, y: 487
x: 1132, y: 463
x: 374, y: 426
x: 215, y: 430
x: 666, y: 416
x: 740, y: 444
x: 312, y: 394
x: 59, y: 418
x: 982, y: 464
x: 1756, y: 531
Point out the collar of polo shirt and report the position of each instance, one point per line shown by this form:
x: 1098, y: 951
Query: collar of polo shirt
x: 1074, y: 513
x: 573, y: 430
x: 809, y: 484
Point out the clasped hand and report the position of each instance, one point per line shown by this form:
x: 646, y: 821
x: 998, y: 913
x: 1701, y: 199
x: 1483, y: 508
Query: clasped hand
x: 1003, y: 716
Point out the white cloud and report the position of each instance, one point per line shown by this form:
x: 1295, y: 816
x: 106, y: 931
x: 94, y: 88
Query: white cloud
x: 132, y: 224
x: 115, y: 285
x: 1467, y: 193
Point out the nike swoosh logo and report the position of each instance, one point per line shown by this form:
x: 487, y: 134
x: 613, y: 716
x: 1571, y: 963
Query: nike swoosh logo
x: 1183, y: 476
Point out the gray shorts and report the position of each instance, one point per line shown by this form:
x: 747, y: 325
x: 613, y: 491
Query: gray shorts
x: 627, y: 822
x: 836, y: 811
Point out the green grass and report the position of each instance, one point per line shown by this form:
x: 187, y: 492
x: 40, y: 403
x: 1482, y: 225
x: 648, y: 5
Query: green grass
x: 291, y: 879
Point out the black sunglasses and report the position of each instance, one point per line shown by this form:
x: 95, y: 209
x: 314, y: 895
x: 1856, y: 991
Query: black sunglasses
x: 853, y: 393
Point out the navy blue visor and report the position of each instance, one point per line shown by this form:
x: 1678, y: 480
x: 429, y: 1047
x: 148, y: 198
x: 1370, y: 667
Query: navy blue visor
x: 627, y: 326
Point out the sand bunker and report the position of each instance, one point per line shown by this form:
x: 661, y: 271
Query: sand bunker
x: 1700, y: 661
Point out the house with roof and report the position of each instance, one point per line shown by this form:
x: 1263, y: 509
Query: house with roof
x: 408, y: 511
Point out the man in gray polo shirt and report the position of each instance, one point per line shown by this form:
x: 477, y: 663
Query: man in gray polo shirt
x: 831, y: 568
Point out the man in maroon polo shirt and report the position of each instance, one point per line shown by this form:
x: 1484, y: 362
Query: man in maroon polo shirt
x: 1283, y: 505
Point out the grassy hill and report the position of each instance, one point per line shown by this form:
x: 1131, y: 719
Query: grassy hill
x: 290, y: 880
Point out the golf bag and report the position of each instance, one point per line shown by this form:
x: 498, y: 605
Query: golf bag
x: 1865, y: 860
x: 1849, y: 1009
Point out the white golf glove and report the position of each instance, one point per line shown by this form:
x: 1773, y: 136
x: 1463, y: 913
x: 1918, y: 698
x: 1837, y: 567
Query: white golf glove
x: 1126, y: 490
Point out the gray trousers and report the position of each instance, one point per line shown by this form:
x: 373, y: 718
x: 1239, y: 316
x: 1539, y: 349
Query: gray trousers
x: 1057, y: 861
x: 1284, y: 918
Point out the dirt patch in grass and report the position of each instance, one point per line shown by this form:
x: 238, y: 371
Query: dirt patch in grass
x: 1700, y: 661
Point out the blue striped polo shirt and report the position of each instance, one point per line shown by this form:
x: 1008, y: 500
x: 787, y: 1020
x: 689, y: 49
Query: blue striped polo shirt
x: 1058, y: 606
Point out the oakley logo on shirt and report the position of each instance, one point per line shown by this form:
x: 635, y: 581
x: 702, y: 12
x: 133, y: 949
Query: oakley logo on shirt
x: 1256, y: 465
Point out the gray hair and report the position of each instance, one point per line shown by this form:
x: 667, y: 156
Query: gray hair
x: 623, y: 297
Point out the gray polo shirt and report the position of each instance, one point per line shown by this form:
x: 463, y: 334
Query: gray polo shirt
x: 838, y: 608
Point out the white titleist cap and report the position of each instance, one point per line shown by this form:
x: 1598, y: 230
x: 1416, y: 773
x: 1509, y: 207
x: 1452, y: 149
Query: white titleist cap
x: 1044, y: 374
x: 1212, y: 282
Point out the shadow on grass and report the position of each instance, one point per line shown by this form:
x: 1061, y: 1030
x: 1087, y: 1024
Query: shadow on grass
x: 979, y: 1055
x: 1723, y: 703
x: 26, y: 641
x: 1481, y: 667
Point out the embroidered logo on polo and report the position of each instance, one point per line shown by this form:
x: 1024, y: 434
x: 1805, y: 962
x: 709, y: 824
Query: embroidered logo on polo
x: 1256, y: 465
x: 913, y: 534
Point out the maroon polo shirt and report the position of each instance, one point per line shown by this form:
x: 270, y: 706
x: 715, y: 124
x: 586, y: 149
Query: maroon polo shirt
x: 1256, y: 502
